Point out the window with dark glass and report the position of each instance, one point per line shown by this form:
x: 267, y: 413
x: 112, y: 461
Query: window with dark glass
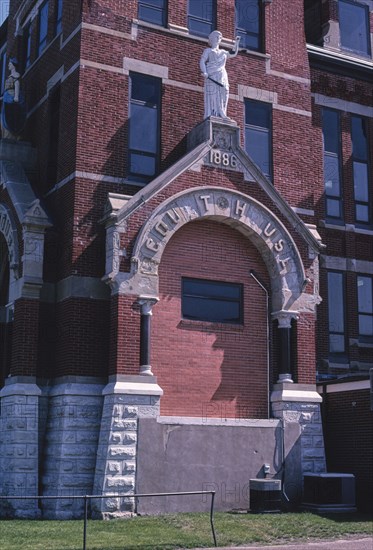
x: 336, y: 312
x: 332, y: 163
x: 144, y: 126
x: 365, y: 305
x: 153, y: 11
x: 249, y: 23
x: 354, y: 26
x: 213, y: 301
x: 43, y: 26
x: 59, y: 9
x: 360, y: 169
x: 2, y: 70
x: 258, y: 134
x: 27, y: 46
x: 201, y: 17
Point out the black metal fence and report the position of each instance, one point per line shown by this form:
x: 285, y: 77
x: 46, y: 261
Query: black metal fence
x: 86, y: 499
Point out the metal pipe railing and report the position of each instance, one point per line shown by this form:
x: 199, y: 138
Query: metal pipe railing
x: 86, y: 499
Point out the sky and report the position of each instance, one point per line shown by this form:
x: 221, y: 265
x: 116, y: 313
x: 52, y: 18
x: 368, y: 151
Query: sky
x: 4, y: 7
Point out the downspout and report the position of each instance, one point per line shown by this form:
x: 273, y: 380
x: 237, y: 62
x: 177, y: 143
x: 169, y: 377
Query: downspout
x: 255, y: 277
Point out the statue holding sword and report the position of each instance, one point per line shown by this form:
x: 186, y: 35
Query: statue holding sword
x: 212, y: 65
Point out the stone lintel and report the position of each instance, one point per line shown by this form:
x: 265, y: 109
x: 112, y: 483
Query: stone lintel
x: 300, y: 393
x: 132, y: 385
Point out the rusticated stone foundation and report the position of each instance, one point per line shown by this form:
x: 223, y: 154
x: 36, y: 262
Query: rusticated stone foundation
x: 127, y: 398
x: 73, y: 425
x: 19, y: 446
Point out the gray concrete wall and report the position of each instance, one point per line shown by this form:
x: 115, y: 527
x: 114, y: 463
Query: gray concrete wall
x: 192, y: 455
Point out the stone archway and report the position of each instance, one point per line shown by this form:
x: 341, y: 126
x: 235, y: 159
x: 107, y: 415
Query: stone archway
x: 235, y: 209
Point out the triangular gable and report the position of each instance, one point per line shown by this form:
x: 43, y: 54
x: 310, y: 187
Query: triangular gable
x: 216, y: 134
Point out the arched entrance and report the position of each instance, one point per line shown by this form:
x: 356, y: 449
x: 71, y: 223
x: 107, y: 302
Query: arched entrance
x: 209, y: 330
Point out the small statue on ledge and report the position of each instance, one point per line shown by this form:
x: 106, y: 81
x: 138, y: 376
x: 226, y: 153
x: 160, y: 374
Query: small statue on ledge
x: 13, y: 113
x: 212, y: 65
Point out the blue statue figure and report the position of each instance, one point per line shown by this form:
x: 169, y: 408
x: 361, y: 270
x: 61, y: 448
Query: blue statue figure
x: 13, y: 112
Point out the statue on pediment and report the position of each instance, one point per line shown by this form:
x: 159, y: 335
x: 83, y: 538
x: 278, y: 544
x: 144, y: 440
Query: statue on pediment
x: 13, y: 112
x: 212, y: 65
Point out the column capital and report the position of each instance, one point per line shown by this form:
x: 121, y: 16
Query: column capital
x: 146, y: 304
x: 284, y: 317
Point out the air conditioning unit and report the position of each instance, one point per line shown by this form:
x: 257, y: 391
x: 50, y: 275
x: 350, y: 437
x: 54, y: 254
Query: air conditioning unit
x: 329, y: 492
x: 265, y: 496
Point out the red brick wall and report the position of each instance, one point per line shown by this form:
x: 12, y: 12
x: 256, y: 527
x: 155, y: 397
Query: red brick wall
x: 221, y: 369
x: 82, y: 337
x: 348, y: 433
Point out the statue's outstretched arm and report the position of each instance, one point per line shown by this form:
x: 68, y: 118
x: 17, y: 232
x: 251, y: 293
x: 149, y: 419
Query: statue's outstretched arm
x: 234, y: 52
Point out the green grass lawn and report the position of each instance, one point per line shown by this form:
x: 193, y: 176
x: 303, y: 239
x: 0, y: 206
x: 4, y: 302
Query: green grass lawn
x: 180, y: 531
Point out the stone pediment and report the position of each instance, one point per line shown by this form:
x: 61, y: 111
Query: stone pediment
x: 215, y: 143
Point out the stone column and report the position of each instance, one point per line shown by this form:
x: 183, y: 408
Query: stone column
x: 146, y: 305
x: 126, y: 398
x: 298, y: 406
x: 284, y: 319
x: 19, y: 446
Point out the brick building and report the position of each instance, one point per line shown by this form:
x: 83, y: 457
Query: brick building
x: 172, y: 286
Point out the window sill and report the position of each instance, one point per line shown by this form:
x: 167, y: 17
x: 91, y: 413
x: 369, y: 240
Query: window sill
x: 184, y: 32
x: 345, y: 227
x: 360, y: 343
x: 214, y: 327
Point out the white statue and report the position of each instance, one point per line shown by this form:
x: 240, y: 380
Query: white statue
x: 212, y: 65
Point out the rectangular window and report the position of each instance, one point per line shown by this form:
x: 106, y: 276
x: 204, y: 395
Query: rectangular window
x: 153, y: 11
x: 27, y: 46
x: 249, y: 23
x: 360, y: 168
x: 336, y: 310
x: 2, y: 70
x: 144, y: 126
x: 213, y: 301
x: 258, y: 134
x: 201, y: 17
x: 43, y: 26
x: 354, y: 26
x: 59, y: 9
x: 365, y: 305
x: 332, y: 163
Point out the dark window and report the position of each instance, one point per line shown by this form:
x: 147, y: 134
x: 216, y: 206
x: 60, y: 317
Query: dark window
x: 2, y: 70
x: 43, y: 26
x: 258, y: 134
x: 360, y: 167
x: 201, y: 17
x: 27, y: 46
x: 336, y: 310
x: 153, y: 11
x: 249, y: 23
x: 354, y: 26
x: 144, y: 126
x: 332, y: 163
x: 212, y: 301
x: 59, y: 9
x: 365, y: 304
